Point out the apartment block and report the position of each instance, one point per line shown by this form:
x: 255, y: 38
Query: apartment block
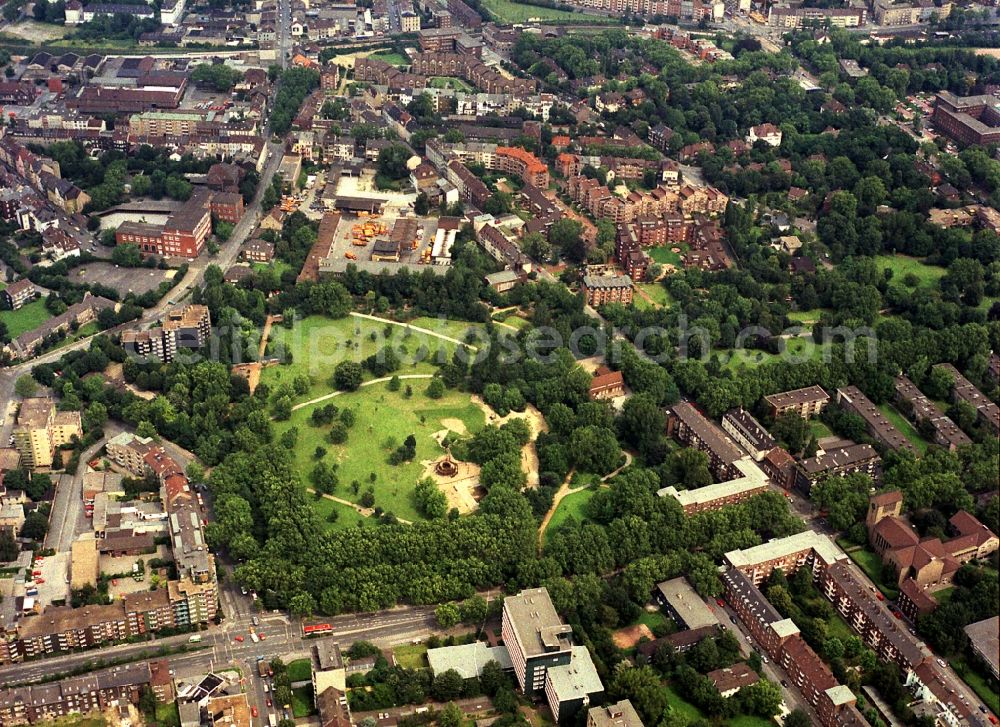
x: 600, y: 290
x: 188, y: 328
x: 129, y: 451
x: 693, y: 429
x: 806, y: 402
x: 40, y: 430
x: 619, y: 714
x: 967, y: 119
x: 928, y: 418
x: 987, y: 412
x: 19, y: 293
x: 837, y: 462
x: 535, y: 636
x: 748, y: 433
x: 750, y: 482
x: 878, y: 426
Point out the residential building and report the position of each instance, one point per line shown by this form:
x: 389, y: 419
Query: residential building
x: 806, y: 402
x: 837, y: 461
x: 731, y: 679
x: 748, y: 433
x: 333, y: 708
x: 928, y: 418
x: 409, y: 21
x: 189, y: 327
x: 987, y: 412
x: 878, y: 426
x: 783, y: 16
x: 984, y: 643
x: 530, y: 169
x: 768, y: 133
x: 536, y: 638
x: 573, y: 686
x: 40, y: 430
x: 751, y: 481
x: 19, y: 293
x: 79, y: 314
x: 504, y: 280
x: 619, y: 714
x: 600, y: 290
x: 129, y: 451
x: 258, y: 251
x: 681, y: 603
x: 229, y: 710
x: 328, y: 667
x: 691, y: 427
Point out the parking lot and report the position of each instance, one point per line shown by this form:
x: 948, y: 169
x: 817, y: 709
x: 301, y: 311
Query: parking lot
x: 124, y: 280
x: 54, y: 571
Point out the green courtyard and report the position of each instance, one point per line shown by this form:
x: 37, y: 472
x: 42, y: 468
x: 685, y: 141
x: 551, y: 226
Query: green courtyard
x: 26, y: 318
x: 457, y: 84
x: 506, y: 11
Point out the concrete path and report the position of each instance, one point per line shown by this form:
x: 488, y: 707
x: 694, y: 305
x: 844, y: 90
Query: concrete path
x: 428, y: 331
x: 332, y: 394
x: 364, y: 511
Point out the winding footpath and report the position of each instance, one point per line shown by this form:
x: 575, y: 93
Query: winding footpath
x: 332, y: 394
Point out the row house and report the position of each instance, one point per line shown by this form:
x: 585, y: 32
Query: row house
x: 470, y: 187
x: 963, y: 390
x: 915, y: 405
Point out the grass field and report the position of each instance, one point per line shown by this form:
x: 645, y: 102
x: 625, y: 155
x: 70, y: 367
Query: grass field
x: 318, y: 344
x: 384, y: 419
x: 746, y: 720
x: 664, y: 255
x: 571, y: 506
x: 985, y: 688
x: 681, y: 707
x: 657, y: 293
x: 300, y: 670
x: 902, y: 265
x: 93, y: 719
x: 302, y: 701
x: 511, y: 12
x: 903, y: 425
x: 805, y: 317
x: 802, y: 349
x: 652, y: 619
x: 26, y: 318
x: 396, y: 59
x: 411, y: 656
x: 819, y: 429
x: 445, y: 327
x: 450, y: 82
x: 871, y: 564
x: 347, y: 517
x: 167, y: 715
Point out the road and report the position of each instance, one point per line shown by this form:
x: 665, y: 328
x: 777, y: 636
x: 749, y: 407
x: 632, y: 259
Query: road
x: 283, y: 32
x: 219, y: 647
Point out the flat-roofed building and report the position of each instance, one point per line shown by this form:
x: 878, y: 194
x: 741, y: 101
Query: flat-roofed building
x: 619, y: 714
x: 231, y: 710
x: 536, y: 637
x: 984, y: 642
x: 84, y: 562
x: 468, y: 659
x: 806, y: 402
x: 40, y: 430
x: 837, y: 461
x: 186, y: 328
x: 683, y: 604
x: 751, y: 481
x: 790, y: 553
x: 573, y: 686
x: 692, y: 428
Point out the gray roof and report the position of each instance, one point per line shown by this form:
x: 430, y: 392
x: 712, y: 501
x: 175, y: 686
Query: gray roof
x: 575, y: 680
x: 621, y: 714
x: 467, y: 659
x: 984, y: 635
x: 682, y: 598
x: 537, y: 627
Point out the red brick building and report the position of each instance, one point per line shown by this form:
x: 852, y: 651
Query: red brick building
x: 602, y: 289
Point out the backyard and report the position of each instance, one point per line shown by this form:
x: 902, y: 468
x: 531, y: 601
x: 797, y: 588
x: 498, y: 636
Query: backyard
x: 450, y: 82
x: 300, y: 670
x: 902, y: 265
x: 665, y: 255
x: 384, y: 419
x: 902, y: 424
x: 26, y: 318
x: 871, y: 564
x: 411, y: 656
x: 396, y: 59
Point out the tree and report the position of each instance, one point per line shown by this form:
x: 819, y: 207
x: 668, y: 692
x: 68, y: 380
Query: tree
x: 347, y: 376
x: 9, y: 548
x: 302, y: 605
x: 761, y: 699
x: 567, y: 235
x: 435, y: 389
x: 447, y: 615
x: 596, y: 449
x: 392, y: 162
x: 792, y: 430
x: 447, y: 686
x: 473, y: 609
x: 492, y: 678
x: 217, y: 76
x: 35, y: 526
x: 798, y: 718
x: 450, y: 716
x: 431, y: 502
x: 25, y: 386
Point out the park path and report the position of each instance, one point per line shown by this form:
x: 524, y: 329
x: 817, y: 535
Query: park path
x: 563, y: 491
x: 263, y: 337
x: 428, y: 331
x: 332, y: 394
x: 364, y: 511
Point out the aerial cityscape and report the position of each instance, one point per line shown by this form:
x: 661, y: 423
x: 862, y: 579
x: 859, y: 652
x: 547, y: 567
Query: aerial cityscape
x: 512, y: 363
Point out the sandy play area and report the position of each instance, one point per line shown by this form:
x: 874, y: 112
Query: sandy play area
x: 529, y: 456
x: 630, y: 636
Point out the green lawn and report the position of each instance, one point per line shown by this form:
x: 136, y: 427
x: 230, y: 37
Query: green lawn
x: 984, y: 687
x: 944, y: 595
x: 511, y: 12
x: 384, y: 419
x: 94, y: 719
x: 446, y: 327
x: 800, y: 349
x: 450, y: 82
x: 318, y: 344
x: 902, y: 424
x: 396, y: 59
x: 26, y: 318
x: 901, y: 265
x: 167, y: 714
x: 411, y: 656
x: 300, y: 670
x: 746, y: 720
x: 871, y: 564
x: 664, y: 255
x: 657, y: 292
x: 681, y: 707
x: 819, y: 429
x: 515, y: 321
x: 279, y: 266
x: 652, y: 619
x: 347, y: 517
x: 571, y: 505
x: 302, y: 701
x: 805, y: 317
